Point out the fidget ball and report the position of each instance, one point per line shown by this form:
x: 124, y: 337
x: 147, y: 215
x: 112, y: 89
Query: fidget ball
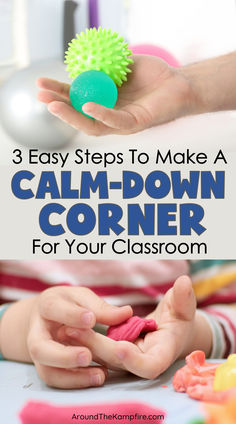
x: 93, y: 86
x: 99, y: 50
x: 98, y: 59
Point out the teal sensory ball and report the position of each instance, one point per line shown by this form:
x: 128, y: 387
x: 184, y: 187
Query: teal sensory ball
x: 93, y: 86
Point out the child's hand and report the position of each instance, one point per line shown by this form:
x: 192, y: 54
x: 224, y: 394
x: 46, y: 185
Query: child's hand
x: 180, y: 331
x: 155, y: 93
x: 60, y: 365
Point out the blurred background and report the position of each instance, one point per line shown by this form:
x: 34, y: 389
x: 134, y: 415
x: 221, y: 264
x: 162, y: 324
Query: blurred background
x: 190, y: 29
x: 34, y: 35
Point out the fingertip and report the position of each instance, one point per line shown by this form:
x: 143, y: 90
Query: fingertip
x: 183, y: 281
x: 73, y: 332
x: 84, y: 357
x: 184, y: 300
x: 54, y: 107
x: 96, y: 110
x: 87, y: 107
x: 88, y: 319
x: 125, y: 310
x: 97, y: 378
x: 42, y: 82
x: 41, y: 96
x: 182, y: 288
x: 128, y: 309
x: 39, y: 82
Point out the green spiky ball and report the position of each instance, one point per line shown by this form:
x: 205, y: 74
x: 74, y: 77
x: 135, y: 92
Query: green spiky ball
x: 99, y: 50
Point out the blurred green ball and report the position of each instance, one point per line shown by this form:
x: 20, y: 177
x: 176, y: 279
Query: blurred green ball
x: 93, y: 86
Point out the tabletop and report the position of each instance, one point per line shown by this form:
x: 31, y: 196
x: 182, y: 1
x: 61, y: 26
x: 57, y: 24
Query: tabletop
x: 20, y: 383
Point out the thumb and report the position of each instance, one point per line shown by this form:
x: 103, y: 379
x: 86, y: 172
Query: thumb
x: 183, y: 301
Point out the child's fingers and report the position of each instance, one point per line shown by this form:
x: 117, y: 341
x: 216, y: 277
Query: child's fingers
x: 80, y: 307
x: 53, y: 354
x: 183, y: 299
x: 53, y: 85
x: 125, y: 355
x: 47, y: 96
x: 104, y: 312
x: 72, y: 379
x: 103, y: 348
x: 113, y: 118
x: 67, y: 313
x: 77, y: 120
x: 111, y: 315
x: 44, y: 349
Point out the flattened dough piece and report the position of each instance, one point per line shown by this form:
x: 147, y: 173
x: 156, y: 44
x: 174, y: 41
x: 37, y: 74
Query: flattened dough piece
x: 131, y: 329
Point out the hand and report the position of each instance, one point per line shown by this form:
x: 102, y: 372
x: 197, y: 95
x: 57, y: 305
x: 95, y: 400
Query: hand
x: 58, y: 364
x: 155, y: 93
x: 180, y: 331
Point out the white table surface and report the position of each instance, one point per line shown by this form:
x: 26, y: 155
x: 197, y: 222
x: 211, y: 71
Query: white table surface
x: 19, y: 383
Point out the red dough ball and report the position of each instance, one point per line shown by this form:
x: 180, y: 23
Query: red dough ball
x: 131, y: 329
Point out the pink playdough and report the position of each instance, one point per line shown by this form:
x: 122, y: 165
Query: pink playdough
x: 131, y: 329
x: 44, y: 413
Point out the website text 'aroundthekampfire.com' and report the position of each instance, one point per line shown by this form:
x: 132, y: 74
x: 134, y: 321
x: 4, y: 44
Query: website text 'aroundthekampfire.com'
x: 116, y: 417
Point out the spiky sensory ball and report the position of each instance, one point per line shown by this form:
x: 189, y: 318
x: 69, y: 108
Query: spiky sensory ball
x: 99, y: 50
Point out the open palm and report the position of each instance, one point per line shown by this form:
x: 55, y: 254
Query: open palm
x: 155, y: 93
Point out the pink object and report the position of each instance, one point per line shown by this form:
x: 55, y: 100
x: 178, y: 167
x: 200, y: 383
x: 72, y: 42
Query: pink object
x: 153, y: 50
x: 196, y: 379
x: 207, y: 394
x: 41, y: 413
x: 131, y: 329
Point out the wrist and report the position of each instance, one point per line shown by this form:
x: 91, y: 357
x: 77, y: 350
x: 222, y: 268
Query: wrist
x: 201, y: 337
x: 14, y: 330
x: 211, y: 84
x: 198, y: 98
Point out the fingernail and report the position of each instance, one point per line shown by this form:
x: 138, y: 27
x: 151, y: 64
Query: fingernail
x: 83, y: 359
x: 52, y: 111
x: 72, y: 332
x: 87, y: 318
x: 86, y: 108
x: 96, y: 380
